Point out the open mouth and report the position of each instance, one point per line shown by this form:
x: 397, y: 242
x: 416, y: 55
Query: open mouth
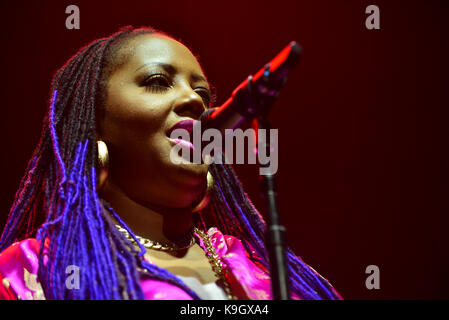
x: 183, y: 134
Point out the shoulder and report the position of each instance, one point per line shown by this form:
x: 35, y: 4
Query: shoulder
x: 19, y: 264
x: 20, y: 254
x: 251, y: 277
x: 222, y: 243
x: 227, y: 245
x: 248, y: 279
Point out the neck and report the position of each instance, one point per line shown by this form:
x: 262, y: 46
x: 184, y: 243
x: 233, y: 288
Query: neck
x: 147, y: 220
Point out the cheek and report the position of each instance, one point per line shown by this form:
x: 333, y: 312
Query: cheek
x: 132, y: 113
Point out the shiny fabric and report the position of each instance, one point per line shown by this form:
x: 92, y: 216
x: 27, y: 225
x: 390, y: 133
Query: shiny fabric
x: 19, y: 265
x: 18, y: 271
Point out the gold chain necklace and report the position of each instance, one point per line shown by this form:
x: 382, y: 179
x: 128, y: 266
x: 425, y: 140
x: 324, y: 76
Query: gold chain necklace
x: 149, y: 244
x: 217, y: 265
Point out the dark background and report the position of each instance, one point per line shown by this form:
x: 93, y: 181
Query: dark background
x: 362, y: 122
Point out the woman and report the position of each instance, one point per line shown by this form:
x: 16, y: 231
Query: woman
x: 122, y: 220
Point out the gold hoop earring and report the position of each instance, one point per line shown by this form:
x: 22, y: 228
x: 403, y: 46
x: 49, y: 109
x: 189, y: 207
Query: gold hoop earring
x: 103, y: 163
x: 207, y: 195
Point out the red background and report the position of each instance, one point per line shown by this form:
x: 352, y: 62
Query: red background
x: 362, y: 122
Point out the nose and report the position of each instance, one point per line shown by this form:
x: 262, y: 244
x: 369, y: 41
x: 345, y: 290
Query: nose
x: 189, y: 104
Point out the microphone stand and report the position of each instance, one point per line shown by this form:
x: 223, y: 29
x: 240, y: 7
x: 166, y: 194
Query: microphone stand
x: 275, y: 233
x: 260, y: 103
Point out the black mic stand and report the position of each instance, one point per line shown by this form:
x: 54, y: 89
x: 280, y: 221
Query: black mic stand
x: 275, y: 233
x: 260, y: 101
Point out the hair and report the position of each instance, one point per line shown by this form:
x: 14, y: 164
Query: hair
x: 60, y: 183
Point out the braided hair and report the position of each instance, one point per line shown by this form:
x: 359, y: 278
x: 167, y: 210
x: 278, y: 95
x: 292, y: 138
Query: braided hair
x: 60, y: 183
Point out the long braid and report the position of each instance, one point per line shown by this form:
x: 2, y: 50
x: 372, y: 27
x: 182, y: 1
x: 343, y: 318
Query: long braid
x: 73, y: 216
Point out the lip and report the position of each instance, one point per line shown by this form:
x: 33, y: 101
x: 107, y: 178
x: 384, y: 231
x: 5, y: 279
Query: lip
x: 187, y: 125
x: 183, y: 124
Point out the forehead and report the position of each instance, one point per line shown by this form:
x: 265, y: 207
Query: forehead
x: 148, y: 49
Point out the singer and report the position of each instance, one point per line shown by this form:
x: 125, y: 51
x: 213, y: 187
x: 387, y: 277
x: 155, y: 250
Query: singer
x: 103, y: 213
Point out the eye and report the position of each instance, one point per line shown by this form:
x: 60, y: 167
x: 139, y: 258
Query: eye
x: 157, y: 82
x: 204, y: 94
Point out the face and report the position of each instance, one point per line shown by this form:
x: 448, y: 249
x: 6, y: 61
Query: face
x: 160, y: 84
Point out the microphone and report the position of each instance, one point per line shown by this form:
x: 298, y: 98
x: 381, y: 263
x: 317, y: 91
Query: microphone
x: 252, y: 99
x: 255, y: 95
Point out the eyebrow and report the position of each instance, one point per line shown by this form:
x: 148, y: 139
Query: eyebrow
x: 170, y: 69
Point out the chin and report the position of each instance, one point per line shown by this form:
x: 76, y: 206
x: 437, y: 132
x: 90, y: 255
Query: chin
x: 189, y: 173
x: 197, y: 171
x: 183, y: 203
x: 185, y: 196
x: 192, y: 183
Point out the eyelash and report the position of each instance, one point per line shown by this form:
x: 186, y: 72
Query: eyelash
x: 148, y: 83
x: 156, y: 88
x: 205, y: 95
